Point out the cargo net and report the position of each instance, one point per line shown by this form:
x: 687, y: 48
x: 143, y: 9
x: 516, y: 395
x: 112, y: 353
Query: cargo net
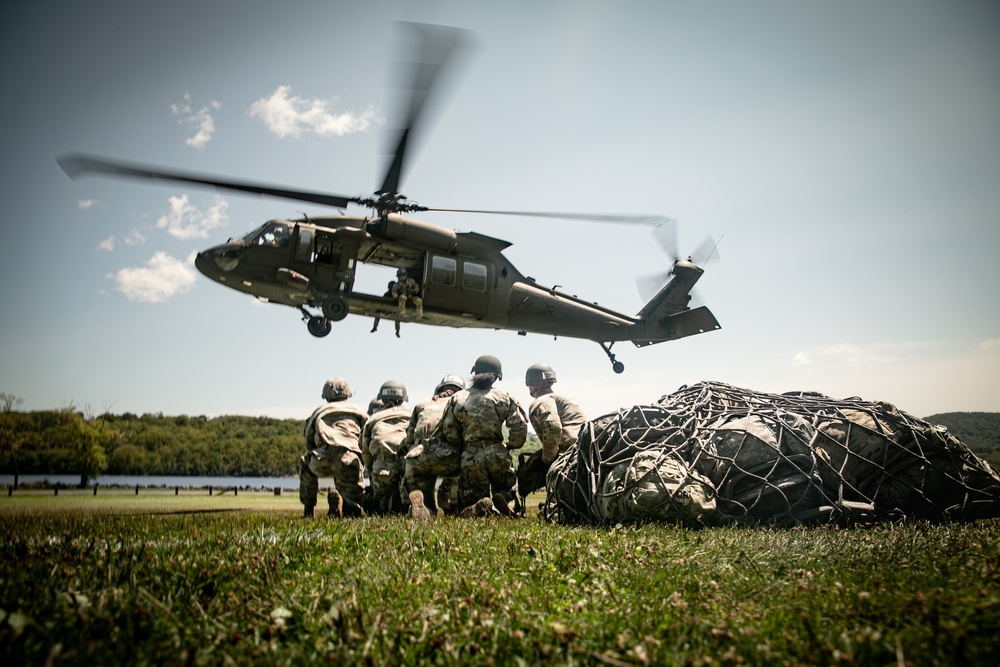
x: 712, y: 454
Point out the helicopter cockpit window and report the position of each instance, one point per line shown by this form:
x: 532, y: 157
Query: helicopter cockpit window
x: 274, y: 235
x: 474, y: 276
x: 443, y: 270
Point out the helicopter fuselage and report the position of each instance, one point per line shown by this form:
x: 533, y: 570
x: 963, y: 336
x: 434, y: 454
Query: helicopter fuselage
x: 465, y: 280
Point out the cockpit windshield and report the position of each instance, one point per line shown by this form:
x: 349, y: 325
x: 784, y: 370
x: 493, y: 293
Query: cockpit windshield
x: 272, y: 235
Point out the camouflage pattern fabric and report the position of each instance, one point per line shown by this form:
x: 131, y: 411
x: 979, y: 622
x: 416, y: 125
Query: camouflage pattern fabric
x: 713, y: 454
x: 381, y: 440
x: 332, y: 434
x: 486, y: 470
x: 428, y: 456
x: 556, y: 420
x: 474, y: 419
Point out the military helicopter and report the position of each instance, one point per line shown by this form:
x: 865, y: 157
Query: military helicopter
x: 464, y: 279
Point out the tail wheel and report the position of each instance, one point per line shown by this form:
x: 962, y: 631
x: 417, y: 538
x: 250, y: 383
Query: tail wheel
x: 335, y: 307
x: 319, y: 326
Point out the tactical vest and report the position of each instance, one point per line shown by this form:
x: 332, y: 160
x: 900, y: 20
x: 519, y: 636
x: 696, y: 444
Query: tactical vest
x: 386, y: 431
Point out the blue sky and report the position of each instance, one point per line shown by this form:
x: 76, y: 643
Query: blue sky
x: 848, y: 154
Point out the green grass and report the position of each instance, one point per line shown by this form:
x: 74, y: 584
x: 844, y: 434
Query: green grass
x: 214, y: 583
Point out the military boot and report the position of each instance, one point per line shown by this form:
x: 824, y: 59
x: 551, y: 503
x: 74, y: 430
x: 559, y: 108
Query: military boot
x: 502, y: 505
x: 352, y: 509
x: 336, y: 505
x: 418, y: 510
x: 482, y: 507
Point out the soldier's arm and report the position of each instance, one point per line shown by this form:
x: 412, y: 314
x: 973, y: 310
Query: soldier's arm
x: 410, y: 437
x: 366, y: 437
x: 517, y: 424
x: 548, y: 428
x: 450, y: 427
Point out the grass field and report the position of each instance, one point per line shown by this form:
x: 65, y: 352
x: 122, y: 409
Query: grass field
x: 160, y: 578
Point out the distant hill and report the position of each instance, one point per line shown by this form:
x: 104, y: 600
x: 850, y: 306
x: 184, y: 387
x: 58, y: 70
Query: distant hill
x: 979, y: 431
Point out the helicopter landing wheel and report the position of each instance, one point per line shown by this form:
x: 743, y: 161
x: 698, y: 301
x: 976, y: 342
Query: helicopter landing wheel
x: 616, y: 366
x: 335, y: 307
x: 319, y: 326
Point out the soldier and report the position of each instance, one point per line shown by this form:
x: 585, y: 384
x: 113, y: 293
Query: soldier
x: 380, y: 442
x: 474, y: 418
x: 429, y: 456
x: 388, y: 292
x: 332, y: 433
x: 556, y: 420
x: 406, y: 288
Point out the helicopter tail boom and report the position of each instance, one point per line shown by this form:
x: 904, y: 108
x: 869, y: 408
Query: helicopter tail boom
x: 667, y: 315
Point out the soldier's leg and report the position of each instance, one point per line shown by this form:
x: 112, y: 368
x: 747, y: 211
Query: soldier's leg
x: 473, y: 480
x: 502, y: 478
x: 348, y: 477
x: 447, y: 495
x: 445, y: 462
x: 419, y: 303
x: 308, y: 483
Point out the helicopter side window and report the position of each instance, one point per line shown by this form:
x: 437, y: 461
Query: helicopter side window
x: 274, y: 235
x: 303, y: 252
x: 474, y: 276
x: 443, y: 270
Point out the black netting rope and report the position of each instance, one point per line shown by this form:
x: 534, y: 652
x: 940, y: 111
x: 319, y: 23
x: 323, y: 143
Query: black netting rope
x: 752, y: 458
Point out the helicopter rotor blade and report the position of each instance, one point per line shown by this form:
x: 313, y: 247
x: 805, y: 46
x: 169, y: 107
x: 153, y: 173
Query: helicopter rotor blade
x: 707, y: 251
x: 76, y: 165
x: 666, y: 235
x: 650, y: 284
x: 590, y: 217
x: 433, y: 47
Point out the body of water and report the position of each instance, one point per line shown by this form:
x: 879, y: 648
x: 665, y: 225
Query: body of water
x: 167, y: 481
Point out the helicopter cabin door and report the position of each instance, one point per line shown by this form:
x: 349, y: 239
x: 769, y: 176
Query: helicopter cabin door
x: 458, y: 285
x: 333, y: 261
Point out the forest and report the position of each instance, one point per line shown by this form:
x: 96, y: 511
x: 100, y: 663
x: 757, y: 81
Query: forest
x: 68, y: 441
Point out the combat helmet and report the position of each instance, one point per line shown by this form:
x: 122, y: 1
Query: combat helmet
x: 336, y: 389
x: 392, y: 392
x: 539, y: 374
x: 450, y: 381
x: 488, y: 364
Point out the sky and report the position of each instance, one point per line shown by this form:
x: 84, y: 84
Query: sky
x: 845, y: 155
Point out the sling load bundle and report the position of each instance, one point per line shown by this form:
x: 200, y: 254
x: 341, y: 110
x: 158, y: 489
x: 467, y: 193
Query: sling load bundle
x: 713, y: 454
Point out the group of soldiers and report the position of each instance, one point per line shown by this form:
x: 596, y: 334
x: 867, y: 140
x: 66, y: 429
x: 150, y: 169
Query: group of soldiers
x: 446, y: 455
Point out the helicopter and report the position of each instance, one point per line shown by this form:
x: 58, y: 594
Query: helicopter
x: 463, y: 278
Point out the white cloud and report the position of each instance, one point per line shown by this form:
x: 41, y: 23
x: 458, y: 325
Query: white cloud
x: 201, y: 119
x: 185, y: 221
x: 286, y: 115
x: 135, y: 237
x: 801, y: 359
x: 84, y: 204
x: 107, y: 244
x: 161, y: 278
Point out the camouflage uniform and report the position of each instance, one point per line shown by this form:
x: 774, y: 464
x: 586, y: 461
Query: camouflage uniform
x: 407, y: 289
x: 332, y: 433
x: 556, y: 420
x: 429, y: 456
x: 380, y: 442
x: 474, y: 418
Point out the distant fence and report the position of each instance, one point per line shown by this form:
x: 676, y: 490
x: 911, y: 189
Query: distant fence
x: 54, y: 489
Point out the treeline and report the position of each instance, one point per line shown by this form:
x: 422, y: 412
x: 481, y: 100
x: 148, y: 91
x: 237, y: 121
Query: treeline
x: 50, y: 442
x: 979, y: 431
x: 70, y: 442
